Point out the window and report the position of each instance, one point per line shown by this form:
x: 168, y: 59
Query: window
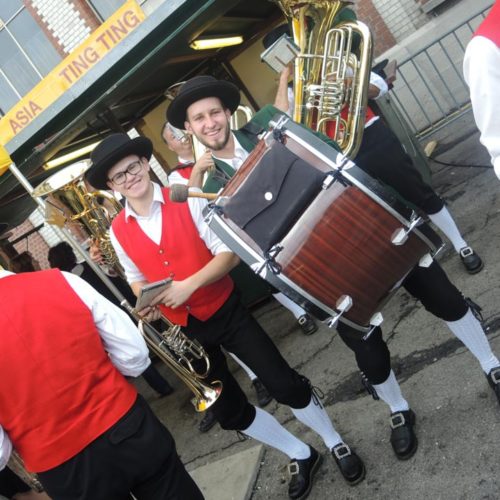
x: 105, y: 8
x: 27, y: 55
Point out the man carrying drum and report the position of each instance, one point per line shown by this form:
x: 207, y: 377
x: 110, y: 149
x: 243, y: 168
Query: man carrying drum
x: 155, y: 238
x: 203, y: 107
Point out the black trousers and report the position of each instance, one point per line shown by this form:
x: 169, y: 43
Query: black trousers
x: 235, y: 329
x: 136, y: 455
x: 382, y: 156
x: 438, y: 295
x: 10, y: 483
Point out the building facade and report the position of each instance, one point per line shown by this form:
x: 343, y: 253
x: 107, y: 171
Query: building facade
x: 36, y: 35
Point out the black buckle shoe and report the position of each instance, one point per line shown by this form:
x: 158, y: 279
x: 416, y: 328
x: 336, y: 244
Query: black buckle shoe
x: 403, y: 439
x: 351, y: 466
x: 208, y: 421
x: 301, y: 475
x: 471, y: 260
x: 494, y: 381
x: 263, y: 396
x: 307, y: 324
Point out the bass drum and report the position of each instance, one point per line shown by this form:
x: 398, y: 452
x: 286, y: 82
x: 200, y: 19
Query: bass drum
x: 319, y: 229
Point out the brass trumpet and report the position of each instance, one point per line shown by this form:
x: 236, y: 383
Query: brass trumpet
x: 178, y: 353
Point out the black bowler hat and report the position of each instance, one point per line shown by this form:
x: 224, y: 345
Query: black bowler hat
x: 198, y: 88
x: 110, y: 151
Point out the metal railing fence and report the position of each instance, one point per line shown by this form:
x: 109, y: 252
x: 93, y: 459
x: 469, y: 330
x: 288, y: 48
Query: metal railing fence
x: 429, y: 90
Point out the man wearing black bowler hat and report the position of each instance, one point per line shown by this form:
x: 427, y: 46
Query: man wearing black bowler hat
x: 155, y: 238
x: 203, y: 107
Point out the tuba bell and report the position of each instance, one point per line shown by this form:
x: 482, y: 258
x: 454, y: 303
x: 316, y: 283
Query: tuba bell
x: 332, y: 71
x: 69, y: 200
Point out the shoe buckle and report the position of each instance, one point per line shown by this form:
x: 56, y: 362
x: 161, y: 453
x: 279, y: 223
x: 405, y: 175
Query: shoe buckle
x: 495, y: 376
x: 303, y: 320
x: 341, y: 451
x: 466, y: 251
x: 293, y: 468
x: 397, y: 420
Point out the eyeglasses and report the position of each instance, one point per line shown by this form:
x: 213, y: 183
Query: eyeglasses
x: 133, y: 169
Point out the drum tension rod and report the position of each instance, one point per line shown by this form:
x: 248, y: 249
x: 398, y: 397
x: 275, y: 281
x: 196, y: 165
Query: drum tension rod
x: 269, y: 262
x: 332, y: 177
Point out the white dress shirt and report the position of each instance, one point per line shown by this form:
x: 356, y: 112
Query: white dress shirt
x: 151, y: 224
x: 240, y: 155
x: 482, y: 75
x: 125, y: 345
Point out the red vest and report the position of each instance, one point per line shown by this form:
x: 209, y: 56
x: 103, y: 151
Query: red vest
x: 490, y: 27
x: 330, y: 126
x: 180, y: 254
x: 184, y: 169
x: 58, y: 389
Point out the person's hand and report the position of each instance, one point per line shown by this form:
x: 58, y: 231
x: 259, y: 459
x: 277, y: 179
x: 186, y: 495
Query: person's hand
x: 286, y: 72
x: 96, y: 254
x: 176, y: 294
x: 204, y: 162
x: 150, y: 313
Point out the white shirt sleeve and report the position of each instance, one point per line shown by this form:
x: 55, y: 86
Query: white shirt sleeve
x: 380, y: 83
x: 5, y: 448
x: 121, y: 339
x: 213, y: 242
x: 482, y: 75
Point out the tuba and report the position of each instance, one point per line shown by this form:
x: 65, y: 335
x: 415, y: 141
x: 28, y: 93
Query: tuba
x: 332, y: 71
x: 69, y: 200
x: 179, y: 353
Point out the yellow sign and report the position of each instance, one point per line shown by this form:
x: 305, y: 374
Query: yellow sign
x: 5, y: 160
x: 71, y: 69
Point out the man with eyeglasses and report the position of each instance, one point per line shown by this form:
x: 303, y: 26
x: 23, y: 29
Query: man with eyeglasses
x: 155, y: 238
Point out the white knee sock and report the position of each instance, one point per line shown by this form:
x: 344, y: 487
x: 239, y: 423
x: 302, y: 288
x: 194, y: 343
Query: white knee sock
x: 444, y: 221
x: 469, y: 331
x: 249, y: 372
x: 295, y: 309
x: 266, y: 429
x: 390, y: 392
x: 315, y: 417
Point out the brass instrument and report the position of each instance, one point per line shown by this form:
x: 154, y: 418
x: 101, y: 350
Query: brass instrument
x: 332, y: 71
x: 242, y: 115
x: 16, y: 465
x: 179, y: 353
x: 68, y: 195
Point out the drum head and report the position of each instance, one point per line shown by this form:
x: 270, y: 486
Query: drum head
x: 61, y: 178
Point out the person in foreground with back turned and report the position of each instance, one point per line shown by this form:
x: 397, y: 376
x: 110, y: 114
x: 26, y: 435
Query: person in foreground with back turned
x: 155, y: 238
x: 481, y: 68
x: 203, y: 107
x: 66, y: 405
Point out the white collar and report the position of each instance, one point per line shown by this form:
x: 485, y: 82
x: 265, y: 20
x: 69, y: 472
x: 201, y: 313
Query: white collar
x: 239, y: 151
x: 157, y: 197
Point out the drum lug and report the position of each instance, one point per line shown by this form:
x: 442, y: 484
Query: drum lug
x: 376, y: 320
x: 400, y: 236
x: 332, y: 177
x: 426, y: 260
x: 343, y: 304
